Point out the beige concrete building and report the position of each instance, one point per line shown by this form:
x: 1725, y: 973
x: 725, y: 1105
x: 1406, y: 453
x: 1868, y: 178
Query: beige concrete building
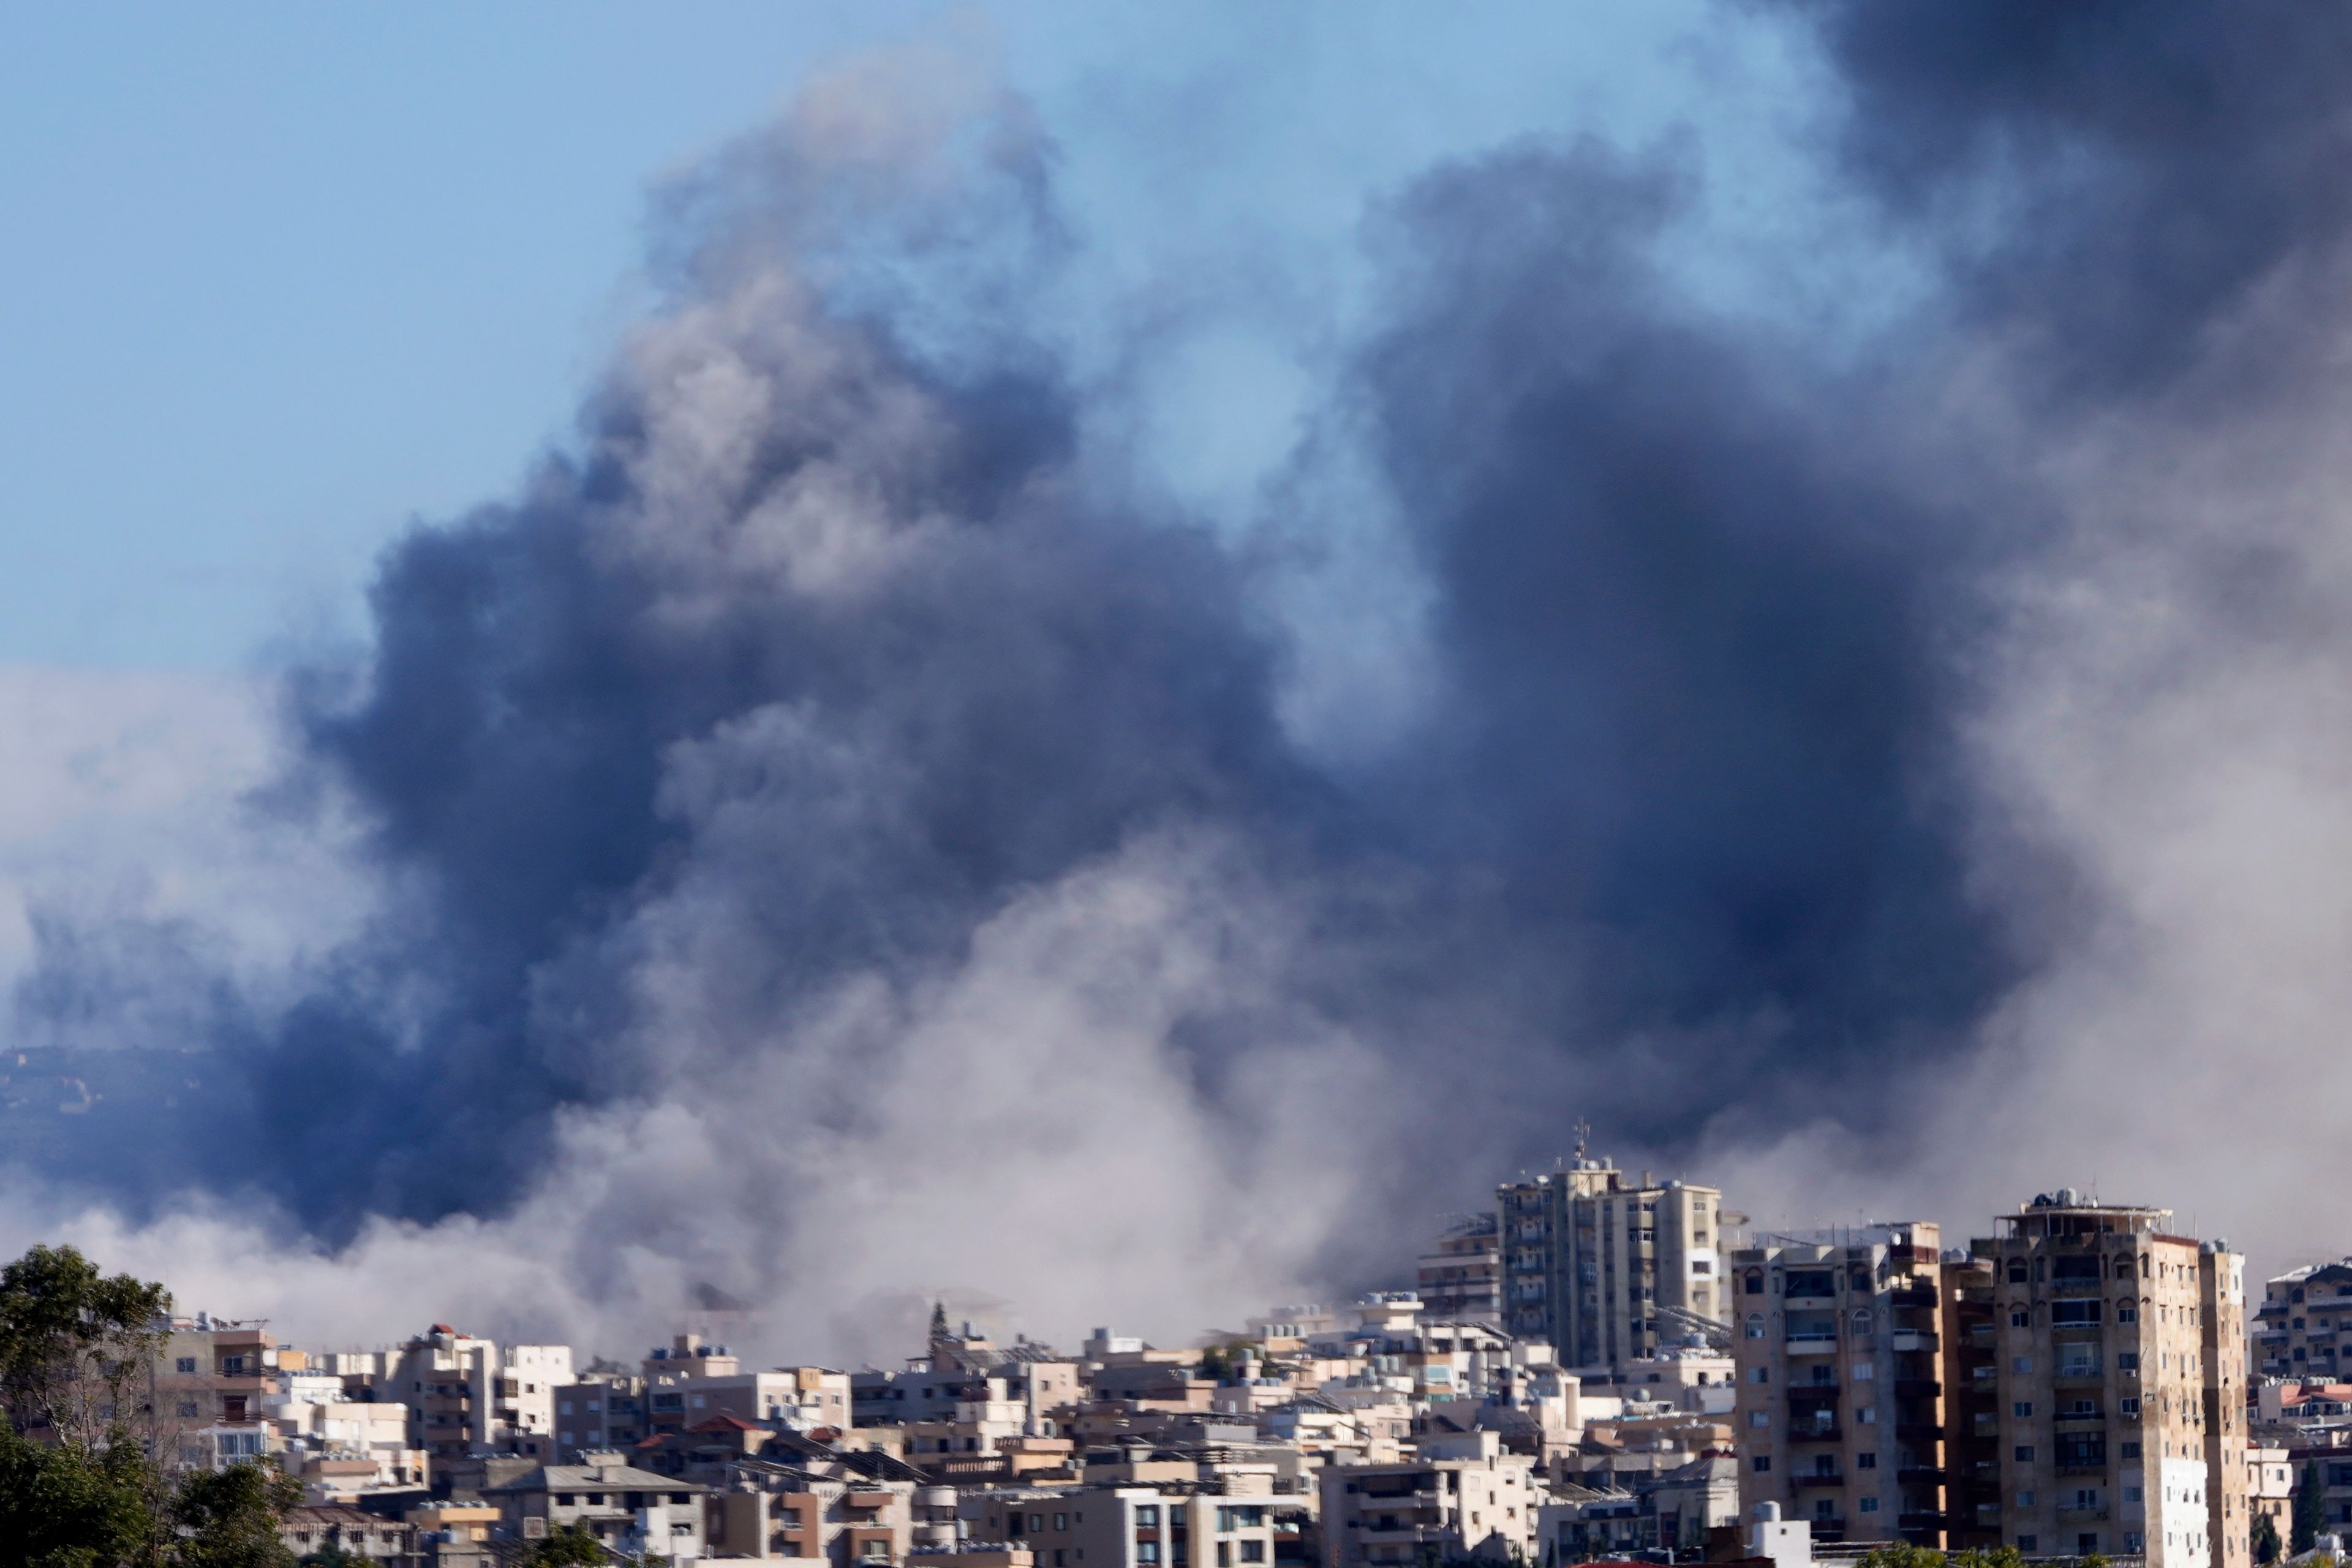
x: 2270, y: 1490
x: 1840, y: 1417
x: 1222, y: 1523
x: 1602, y: 1268
x: 2295, y: 1332
x: 1460, y: 1497
x: 2121, y: 1404
x: 467, y: 1399
x: 1460, y: 1277
x: 625, y: 1509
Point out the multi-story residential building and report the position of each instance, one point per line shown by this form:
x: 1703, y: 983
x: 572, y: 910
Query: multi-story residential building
x: 604, y: 1410
x: 1461, y: 1497
x: 2295, y: 1332
x: 1604, y: 1270
x: 466, y: 1400
x: 213, y: 1382
x: 2121, y: 1401
x: 1841, y: 1410
x: 2270, y: 1490
x: 1460, y: 1277
x: 627, y: 1509
x: 1218, y: 1523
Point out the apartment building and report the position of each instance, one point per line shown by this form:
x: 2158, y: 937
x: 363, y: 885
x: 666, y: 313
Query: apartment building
x: 2270, y: 1489
x: 1215, y: 1523
x: 627, y: 1510
x: 1460, y: 1497
x: 466, y: 1399
x: 2121, y: 1403
x: 212, y: 1382
x: 1604, y: 1270
x: 2295, y: 1332
x: 603, y: 1410
x: 1460, y: 1277
x: 1841, y: 1404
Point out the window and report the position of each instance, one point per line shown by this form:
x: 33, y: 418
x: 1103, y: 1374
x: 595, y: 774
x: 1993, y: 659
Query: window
x: 1759, y: 1418
x: 1761, y: 1464
x: 1760, y: 1374
x: 1061, y: 1557
x: 1755, y: 1284
x: 2028, y: 1542
x: 1036, y: 1521
x: 1867, y: 1415
x: 564, y: 1500
x: 2074, y: 1314
x: 2019, y: 1318
x: 1870, y: 1505
x: 1061, y: 1521
x: 2133, y: 1494
x: 1755, y: 1325
x: 2020, y: 1364
x: 1252, y: 1550
x: 681, y: 1497
x: 2128, y: 1404
x: 1225, y: 1554
x: 2128, y: 1360
x: 2022, y: 1410
x: 1865, y: 1461
x: 2126, y: 1312
x: 1147, y: 1552
x: 187, y: 1363
x: 2024, y: 1454
x: 1147, y: 1516
x: 187, y: 1407
x: 2017, y: 1272
x: 2130, y: 1450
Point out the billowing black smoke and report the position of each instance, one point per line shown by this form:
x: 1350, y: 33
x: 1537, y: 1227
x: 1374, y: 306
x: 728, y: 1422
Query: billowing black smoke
x: 850, y: 628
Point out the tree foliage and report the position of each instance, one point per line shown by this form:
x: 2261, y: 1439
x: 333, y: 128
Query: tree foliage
x: 567, y: 1548
x: 230, y: 1517
x: 75, y: 1344
x: 2265, y: 1539
x: 2310, y: 1508
x: 61, y: 1508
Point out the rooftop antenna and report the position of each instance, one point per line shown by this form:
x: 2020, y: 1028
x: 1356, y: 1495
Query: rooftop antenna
x: 1583, y: 1130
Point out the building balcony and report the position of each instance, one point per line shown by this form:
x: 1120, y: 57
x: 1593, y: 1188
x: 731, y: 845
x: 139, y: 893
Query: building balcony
x: 1921, y: 1475
x: 1811, y: 1343
x: 1818, y: 1479
x: 1918, y: 1522
x: 1913, y: 1296
x: 1814, y: 1433
x: 1916, y: 1388
x: 1915, y: 1339
x: 2082, y: 1516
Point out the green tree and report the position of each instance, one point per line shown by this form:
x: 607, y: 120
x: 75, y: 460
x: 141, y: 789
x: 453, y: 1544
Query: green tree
x: 567, y: 1548
x: 232, y: 1518
x: 60, y: 1508
x: 939, y: 1324
x: 1988, y: 1557
x: 1902, y: 1554
x: 76, y: 1345
x: 2310, y: 1508
x: 2266, y: 1539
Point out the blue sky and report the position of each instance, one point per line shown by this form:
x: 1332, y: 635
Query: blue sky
x: 282, y: 277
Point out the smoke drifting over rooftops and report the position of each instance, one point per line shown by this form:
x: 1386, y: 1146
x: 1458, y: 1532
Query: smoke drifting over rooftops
x: 836, y: 834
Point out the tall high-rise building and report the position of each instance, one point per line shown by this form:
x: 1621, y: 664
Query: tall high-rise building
x: 1841, y: 1415
x: 2118, y: 1360
x: 1605, y: 1270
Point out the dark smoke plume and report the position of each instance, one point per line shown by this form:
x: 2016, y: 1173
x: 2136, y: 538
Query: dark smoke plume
x: 829, y: 675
